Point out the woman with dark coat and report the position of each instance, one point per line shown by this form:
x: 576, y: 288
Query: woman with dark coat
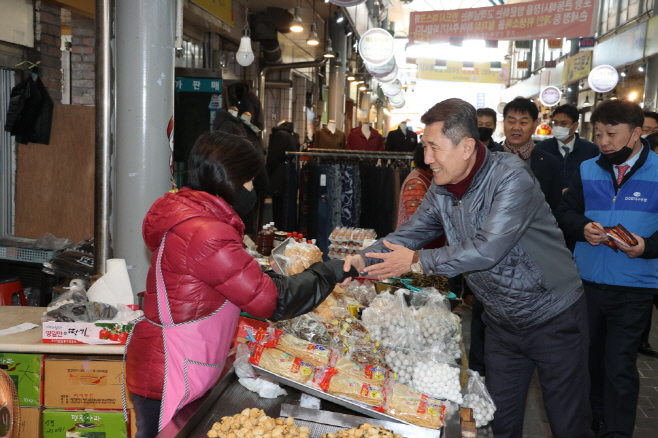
x: 200, y: 278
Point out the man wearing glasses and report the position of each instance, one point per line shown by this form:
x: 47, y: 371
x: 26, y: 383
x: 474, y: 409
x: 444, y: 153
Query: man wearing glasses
x: 566, y: 145
x: 650, y: 124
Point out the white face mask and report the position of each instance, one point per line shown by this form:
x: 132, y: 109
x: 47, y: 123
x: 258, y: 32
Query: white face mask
x: 561, y: 133
x: 644, y: 135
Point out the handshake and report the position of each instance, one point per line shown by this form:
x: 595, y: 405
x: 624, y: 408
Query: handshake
x: 617, y: 235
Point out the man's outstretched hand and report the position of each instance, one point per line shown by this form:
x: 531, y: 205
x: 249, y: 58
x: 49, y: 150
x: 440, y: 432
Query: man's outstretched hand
x: 352, y: 261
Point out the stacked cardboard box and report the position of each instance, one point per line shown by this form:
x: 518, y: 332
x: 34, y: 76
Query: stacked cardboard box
x: 26, y: 370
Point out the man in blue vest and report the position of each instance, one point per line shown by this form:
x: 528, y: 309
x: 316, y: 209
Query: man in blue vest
x: 566, y: 145
x: 619, y: 187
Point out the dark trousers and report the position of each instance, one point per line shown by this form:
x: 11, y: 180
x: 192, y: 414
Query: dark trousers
x: 647, y: 330
x: 476, y: 352
x: 616, y: 322
x: 278, y: 212
x: 558, y: 349
x: 147, y: 413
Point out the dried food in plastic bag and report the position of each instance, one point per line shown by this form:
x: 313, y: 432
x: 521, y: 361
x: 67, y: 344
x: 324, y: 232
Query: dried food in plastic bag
x: 282, y: 364
x: 81, y: 312
x: 364, y: 292
x: 390, y: 321
x: 332, y: 307
x: 75, y: 294
x: 297, y: 257
x: 477, y: 398
x: 367, y: 372
x: 436, y: 324
x: 314, y: 354
x: 402, y: 361
x: 437, y: 375
x: 340, y: 384
x: 412, y: 406
x: 366, y: 351
x: 307, y: 327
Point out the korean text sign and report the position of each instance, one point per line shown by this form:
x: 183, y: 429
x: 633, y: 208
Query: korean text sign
x: 519, y: 21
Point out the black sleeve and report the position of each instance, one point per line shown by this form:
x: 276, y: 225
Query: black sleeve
x: 571, y: 213
x: 554, y: 192
x: 303, y: 292
x: 651, y: 247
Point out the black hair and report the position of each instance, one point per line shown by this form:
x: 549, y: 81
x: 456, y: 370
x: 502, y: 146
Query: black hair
x: 487, y: 112
x: 522, y: 105
x: 220, y: 163
x: 569, y: 111
x: 653, y: 141
x: 651, y: 114
x: 419, y: 157
x: 617, y: 111
x: 459, y: 117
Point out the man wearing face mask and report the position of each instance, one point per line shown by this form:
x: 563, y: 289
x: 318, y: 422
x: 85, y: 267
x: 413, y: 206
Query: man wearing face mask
x: 615, y: 188
x: 486, y: 128
x: 650, y: 124
x: 567, y: 146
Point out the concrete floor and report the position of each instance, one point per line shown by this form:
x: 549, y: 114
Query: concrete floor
x: 536, y: 424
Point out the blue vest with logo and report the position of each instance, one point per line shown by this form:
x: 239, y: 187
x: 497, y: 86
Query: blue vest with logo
x: 635, y: 207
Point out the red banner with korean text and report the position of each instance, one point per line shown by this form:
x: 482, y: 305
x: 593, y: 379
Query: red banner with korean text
x: 519, y: 21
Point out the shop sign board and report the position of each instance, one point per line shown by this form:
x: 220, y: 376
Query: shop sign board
x: 519, y: 21
x: 554, y: 43
x: 587, y: 42
x: 603, y: 78
x: 522, y: 65
x: 651, y: 44
x: 550, y: 64
x: 347, y: 3
x: 222, y: 9
x: 550, y: 96
x: 200, y: 85
x: 491, y: 44
x: 577, y: 67
x: 376, y: 46
x: 522, y: 45
x: 482, y: 72
x: 392, y: 88
x: 381, y: 70
x: 622, y: 49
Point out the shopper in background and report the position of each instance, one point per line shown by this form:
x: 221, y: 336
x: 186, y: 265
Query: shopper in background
x: 520, y: 120
x: 487, y: 119
x: 201, y: 277
x: 504, y: 240
x: 616, y: 188
x: 566, y: 145
x: 650, y: 124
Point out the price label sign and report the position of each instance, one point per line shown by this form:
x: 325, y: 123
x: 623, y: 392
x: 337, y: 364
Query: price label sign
x: 376, y: 47
x: 393, y: 88
x: 550, y: 96
x: 381, y: 70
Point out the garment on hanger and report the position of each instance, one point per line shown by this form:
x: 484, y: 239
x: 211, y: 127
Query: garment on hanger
x: 325, y: 139
x: 30, y: 112
x: 244, y: 99
x: 227, y: 122
x: 346, y: 195
x: 358, y: 142
x: 401, y: 141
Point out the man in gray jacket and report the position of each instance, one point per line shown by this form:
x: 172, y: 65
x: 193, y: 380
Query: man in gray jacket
x: 504, y: 239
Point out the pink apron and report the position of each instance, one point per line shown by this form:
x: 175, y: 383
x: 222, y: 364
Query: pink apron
x: 194, y: 351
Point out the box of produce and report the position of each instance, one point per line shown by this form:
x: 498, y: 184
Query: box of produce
x: 30, y: 422
x: 85, y: 332
x: 94, y: 382
x: 63, y: 423
x: 26, y: 370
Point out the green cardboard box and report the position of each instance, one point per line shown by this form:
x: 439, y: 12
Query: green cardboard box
x: 26, y: 370
x: 61, y: 423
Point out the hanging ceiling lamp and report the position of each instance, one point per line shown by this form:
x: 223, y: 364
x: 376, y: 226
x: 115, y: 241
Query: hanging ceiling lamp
x: 297, y: 25
x: 245, y: 55
x: 313, y: 35
x: 328, y: 50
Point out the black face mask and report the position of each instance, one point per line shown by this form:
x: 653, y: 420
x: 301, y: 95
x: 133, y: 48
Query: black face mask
x: 485, y: 133
x: 244, y: 202
x: 621, y: 156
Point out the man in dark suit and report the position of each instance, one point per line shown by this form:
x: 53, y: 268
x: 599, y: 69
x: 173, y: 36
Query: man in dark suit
x: 566, y: 145
x: 520, y: 119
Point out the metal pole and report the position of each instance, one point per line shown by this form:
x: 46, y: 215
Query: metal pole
x: 104, y: 107
x: 572, y: 96
x: 266, y: 70
x: 337, y: 72
x: 145, y: 105
x: 651, y: 84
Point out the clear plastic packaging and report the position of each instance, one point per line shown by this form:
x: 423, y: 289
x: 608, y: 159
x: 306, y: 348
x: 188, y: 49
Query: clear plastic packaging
x: 367, y: 372
x: 435, y: 323
x: 390, y: 321
x: 437, y: 375
x: 314, y: 354
x: 282, y: 363
x: 477, y: 398
x: 297, y: 257
x: 413, y: 406
x: 340, y: 384
x: 364, y: 292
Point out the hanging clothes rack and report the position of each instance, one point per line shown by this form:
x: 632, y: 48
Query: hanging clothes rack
x: 333, y: 153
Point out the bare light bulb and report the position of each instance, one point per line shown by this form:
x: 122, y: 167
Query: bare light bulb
x: 245, y: 55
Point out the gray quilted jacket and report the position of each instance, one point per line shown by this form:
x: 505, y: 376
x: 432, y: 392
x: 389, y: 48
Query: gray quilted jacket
x: 502, y: 237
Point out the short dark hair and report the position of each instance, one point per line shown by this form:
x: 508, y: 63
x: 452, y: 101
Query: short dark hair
x: 523, y: 106
x: 568, y: 110
x: 220, y: 163
x: 617, y: 111
x: 459, y: 119
x: 419, y: 157
x: 652, y: 115
x: 487, y: 112
x: 653, y: 141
